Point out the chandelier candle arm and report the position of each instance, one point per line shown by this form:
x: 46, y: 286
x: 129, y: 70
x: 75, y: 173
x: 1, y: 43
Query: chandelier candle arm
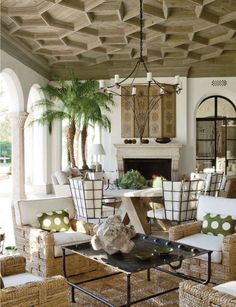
x: 133, y: 90
x: 116, y: 77
x: 149, y: 77
x: 101, y: 84
x: 177, y: 80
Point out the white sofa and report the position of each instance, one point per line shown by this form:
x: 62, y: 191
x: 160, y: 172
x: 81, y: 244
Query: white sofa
x: 42, y: 249
x: 60, y: 183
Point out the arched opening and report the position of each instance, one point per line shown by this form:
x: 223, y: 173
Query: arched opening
x: 35, y: 140
x: 11, y: 102
x: 216, y: 135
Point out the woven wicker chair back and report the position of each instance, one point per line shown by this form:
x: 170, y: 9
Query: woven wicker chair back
x: 87, y: 196
x: 180, y: 199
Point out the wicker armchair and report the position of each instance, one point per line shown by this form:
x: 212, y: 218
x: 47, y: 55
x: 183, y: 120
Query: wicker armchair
x: 192, y: 294
x: 44, y: 292
x: 43, y: 255
x: 224, y: 270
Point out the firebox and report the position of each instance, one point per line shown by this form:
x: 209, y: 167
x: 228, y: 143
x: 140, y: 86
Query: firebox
x: 149, y: 167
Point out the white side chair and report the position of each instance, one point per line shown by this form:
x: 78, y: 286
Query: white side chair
x: 180, y: 201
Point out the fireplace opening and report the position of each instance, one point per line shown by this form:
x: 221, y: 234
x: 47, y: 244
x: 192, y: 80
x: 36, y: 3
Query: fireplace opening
x: 149, y: 167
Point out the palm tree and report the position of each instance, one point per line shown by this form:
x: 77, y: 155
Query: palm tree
x: 68, y: 101
x: 92, y: 106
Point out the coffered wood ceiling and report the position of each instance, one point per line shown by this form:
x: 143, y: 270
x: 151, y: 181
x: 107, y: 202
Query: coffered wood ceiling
x: 98, y: 38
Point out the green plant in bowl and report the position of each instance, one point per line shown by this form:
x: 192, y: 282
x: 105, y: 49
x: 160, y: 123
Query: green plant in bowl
x: 131, y: 180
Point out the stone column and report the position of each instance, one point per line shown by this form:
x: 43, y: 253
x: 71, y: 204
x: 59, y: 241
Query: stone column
x: 18, y: 163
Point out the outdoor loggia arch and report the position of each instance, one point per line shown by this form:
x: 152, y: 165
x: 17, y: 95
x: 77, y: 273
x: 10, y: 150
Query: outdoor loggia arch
x: 36, y: 135
x: 17, y: 116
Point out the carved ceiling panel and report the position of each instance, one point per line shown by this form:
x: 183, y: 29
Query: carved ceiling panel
x: 98, y: 38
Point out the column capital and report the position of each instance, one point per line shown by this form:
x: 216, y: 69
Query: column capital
x: 18, y: 119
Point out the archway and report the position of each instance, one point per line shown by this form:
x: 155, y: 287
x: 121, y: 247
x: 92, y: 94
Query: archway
x: 36, y: 143
x: 216, y: 134
x: 14, y: 112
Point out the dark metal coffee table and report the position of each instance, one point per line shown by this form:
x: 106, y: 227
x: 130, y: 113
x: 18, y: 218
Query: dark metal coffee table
x: 129, y: 263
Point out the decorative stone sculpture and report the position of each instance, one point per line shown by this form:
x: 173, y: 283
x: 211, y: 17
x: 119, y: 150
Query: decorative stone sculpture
x: 113, y: 236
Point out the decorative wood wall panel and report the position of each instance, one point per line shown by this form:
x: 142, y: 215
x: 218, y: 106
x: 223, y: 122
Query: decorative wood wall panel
x: 161, y: 121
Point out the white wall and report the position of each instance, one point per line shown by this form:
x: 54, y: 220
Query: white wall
x: 27, y: 76
x: 194, y: 91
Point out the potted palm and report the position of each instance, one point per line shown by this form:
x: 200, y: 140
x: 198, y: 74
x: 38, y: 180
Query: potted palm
x: 80, y: 103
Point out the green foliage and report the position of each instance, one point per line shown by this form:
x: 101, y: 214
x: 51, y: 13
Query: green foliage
x: 80, y: 103
x: 5, y: 149
x: 76, y: 101
x: 131, y: 180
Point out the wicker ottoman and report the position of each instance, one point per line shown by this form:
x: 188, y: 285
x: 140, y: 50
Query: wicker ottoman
x: 192, y: 294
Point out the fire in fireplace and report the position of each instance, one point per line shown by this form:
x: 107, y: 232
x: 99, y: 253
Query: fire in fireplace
x: 149, y: 168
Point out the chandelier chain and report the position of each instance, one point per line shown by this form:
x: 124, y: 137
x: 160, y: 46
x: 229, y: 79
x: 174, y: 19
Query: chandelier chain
x: 141, y: 30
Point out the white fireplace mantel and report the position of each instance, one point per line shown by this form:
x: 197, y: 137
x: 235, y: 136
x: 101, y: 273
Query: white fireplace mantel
x: 151, y: 151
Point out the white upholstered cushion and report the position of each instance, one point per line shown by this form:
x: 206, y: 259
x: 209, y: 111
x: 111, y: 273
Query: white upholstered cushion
x: 19, y: 279
x: 66, y: 238
x: 61, y: 177
x: 208, y: 242
x: 228, y: 288
x: 216, y: 205
x: 26, y: 210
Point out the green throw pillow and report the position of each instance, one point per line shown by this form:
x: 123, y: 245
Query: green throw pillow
x: 218, y: 225
x: 54, y: 221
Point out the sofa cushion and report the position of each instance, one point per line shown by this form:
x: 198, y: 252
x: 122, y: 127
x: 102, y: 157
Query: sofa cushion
x: 26, y: 210
x: 19, y: 279
x: 66, y: 238
x: 209, y: 242
x: 54, y: 220
x: 228, y: 288
x: 218, y: 225
x: 215, y: 205
x: 61, y: 177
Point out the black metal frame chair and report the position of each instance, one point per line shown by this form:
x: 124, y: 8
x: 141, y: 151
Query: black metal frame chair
x: 213, y: 184
x: 180, y: 201
x: 89, y: 202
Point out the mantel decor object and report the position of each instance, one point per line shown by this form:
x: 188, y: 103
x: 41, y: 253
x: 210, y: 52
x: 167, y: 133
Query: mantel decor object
x: 163, y: 140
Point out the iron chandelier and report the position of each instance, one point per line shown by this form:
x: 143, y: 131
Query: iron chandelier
x: 111, y: 90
